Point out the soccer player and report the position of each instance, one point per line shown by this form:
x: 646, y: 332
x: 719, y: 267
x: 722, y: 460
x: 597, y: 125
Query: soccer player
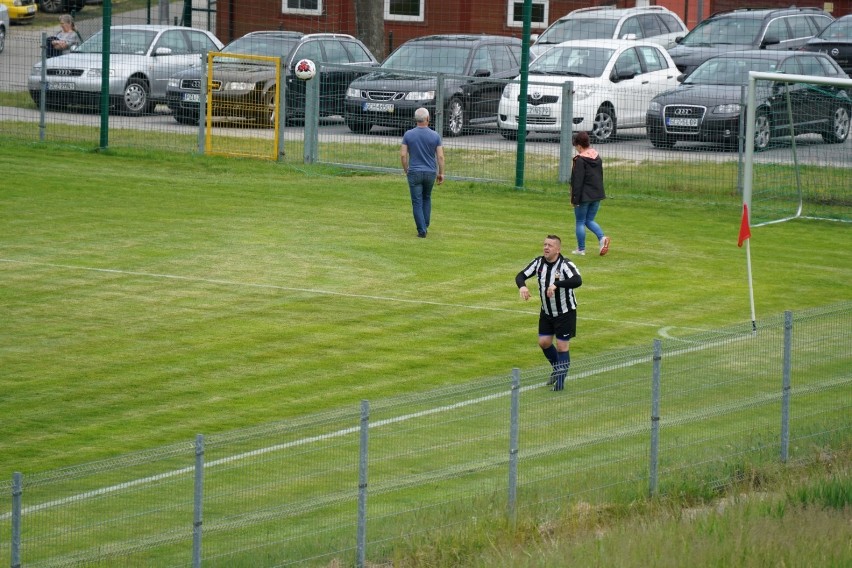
x: 557, y: 278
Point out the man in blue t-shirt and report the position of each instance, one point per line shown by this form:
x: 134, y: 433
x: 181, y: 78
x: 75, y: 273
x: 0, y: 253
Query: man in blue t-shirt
x: 422, y: 156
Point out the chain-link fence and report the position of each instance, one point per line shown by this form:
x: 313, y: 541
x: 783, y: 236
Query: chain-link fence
x: 348, y: 486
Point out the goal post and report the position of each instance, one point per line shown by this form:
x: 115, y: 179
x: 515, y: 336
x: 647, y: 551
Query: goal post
x: 807, y: 179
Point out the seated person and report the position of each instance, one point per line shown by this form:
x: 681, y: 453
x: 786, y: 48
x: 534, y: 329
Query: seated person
x: 63, y: 41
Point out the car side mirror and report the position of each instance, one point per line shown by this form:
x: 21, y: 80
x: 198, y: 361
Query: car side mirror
x: 618, y: 76
x: 681, y: 78
x: 678, y: 39
x: 769, y: 40
x: 163, y: 51
x: 482, y: 73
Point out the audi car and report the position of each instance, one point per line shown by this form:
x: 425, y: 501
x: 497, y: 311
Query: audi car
x: 142, y: 58
x: 707, y: 106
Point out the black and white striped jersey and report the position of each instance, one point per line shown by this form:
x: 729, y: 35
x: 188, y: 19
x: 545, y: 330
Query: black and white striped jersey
x: 561, y: 272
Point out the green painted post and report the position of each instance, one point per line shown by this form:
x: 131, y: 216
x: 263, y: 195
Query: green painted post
x: 522, y: 97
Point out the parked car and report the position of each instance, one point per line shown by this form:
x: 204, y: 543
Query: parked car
x: 614, y: 80
x: 835, y: 40
x: 142, y: 58
x: 61, y: 6
x: 4, y: 26
x: 742, y: 29
x: 246, y: 89
x: 21, y: 11
x: 656, y: 24
x: 389, y: 96
x: 708, y: 105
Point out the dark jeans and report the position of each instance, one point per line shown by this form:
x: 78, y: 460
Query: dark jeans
x: 420, y: 185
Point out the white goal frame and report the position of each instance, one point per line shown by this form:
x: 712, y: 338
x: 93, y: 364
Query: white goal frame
x: 751, y: 115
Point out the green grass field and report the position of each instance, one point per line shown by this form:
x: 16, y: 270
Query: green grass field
x: 147, y: 297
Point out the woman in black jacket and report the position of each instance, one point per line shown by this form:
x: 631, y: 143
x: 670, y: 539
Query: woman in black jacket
x: 587, y: 192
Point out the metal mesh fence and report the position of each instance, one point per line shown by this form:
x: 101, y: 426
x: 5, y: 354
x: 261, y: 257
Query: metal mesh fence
x: 616, y: 92
x: 352, y: 485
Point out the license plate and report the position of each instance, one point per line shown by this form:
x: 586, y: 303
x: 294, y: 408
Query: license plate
x: 536, y: 110
x: 61, y: 86
x: 191, y: 97
x: 681, y: 122
x: 379, y: 107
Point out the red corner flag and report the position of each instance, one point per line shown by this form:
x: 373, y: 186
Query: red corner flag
x: 745, y: 231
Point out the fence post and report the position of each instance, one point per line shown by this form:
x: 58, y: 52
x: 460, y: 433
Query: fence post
x: 206, y: 63
x: 17, y: 491
x: 438, y: 119
x: 785, y: 386
x: 312, y: 108
x: 513, y: 442
x: 198, y: 501
x: 361, y: 547
x: 566, y: 138
x: 655, y: 418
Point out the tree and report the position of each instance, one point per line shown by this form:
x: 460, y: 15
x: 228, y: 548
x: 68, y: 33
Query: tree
x: 370, y: 25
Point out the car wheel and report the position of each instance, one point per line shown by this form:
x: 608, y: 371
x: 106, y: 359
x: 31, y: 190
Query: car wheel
x: 135, y: 100
x: 455, y: 125
x: 838, y: 126
x: 266, y: 115
x: 357, y: 126
x: 604, y: 127
x: 51, y: 6
x: 762, y: 131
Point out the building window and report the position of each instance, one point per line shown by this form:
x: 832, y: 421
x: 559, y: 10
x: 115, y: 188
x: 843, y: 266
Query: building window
x: 309, y: 7
x: 515, y: 13
x: 404, y: 10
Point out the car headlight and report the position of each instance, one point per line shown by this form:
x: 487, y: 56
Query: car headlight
x: 241, y: 86
x: 420, y: 96
x: 654, y: 106
x: 174, y: 83
x: 733, y: 108
x: 353, y: 92
x: 583, y: 92
x: 507, y: 91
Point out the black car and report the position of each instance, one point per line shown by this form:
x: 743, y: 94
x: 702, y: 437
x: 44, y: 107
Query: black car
x: 835, y: 40
x: 707, y: 106
x: 737, y: 30
x: 245, y: 88
x: 389, y: 96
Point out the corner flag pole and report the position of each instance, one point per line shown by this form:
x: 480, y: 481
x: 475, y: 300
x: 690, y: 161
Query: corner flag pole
x: 745, y: 237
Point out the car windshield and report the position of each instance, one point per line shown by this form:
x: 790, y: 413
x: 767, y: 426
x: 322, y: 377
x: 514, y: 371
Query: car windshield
x: 434, y: 58
x: 573, y: 61
x: 260, y: 45
x: 578, y: 28
x: 838, y: 30
x: 120, y: 41
x: 729, y: 71
x: 724, y: 31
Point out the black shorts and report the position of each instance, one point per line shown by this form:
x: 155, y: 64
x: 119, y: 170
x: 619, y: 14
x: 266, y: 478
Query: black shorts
x: 564, y: 327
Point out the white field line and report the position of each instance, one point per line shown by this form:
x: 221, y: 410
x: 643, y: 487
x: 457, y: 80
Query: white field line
x: 353, y: 430
x: 234, y: 283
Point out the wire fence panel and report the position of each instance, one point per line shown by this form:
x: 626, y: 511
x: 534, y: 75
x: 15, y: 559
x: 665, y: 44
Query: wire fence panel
x: 340, y: 486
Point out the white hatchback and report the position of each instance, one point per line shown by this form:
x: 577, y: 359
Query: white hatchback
x: 614, y: 81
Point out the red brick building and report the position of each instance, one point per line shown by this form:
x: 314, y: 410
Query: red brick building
x: 405, y: 19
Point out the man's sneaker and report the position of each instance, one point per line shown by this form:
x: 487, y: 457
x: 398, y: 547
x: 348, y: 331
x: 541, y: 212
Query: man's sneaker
x: 604, y: 245
x: 579, y: 252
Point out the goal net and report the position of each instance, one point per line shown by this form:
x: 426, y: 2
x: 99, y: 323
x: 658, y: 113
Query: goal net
x: 798, y: 156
